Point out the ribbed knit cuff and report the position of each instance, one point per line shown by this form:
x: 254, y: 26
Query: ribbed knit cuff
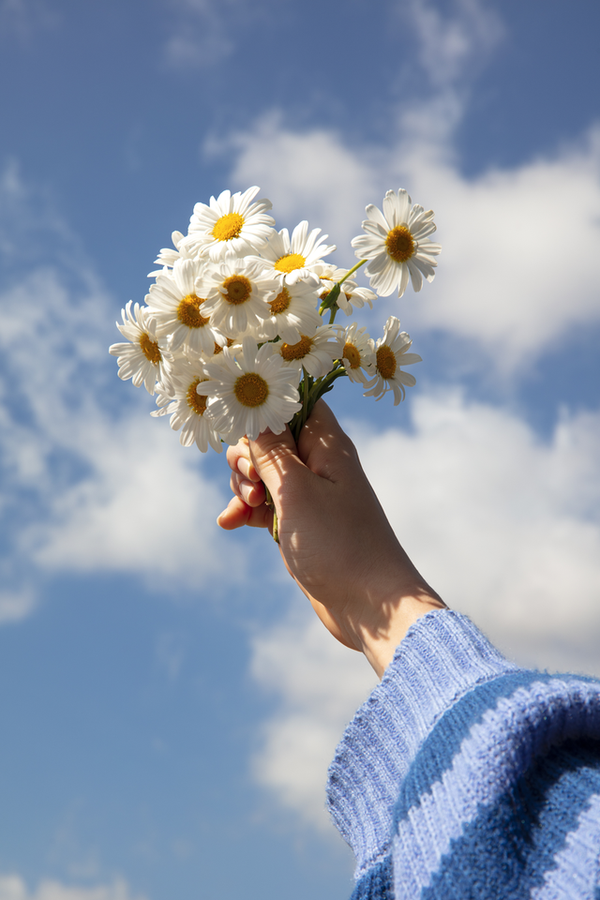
x: 441, y: 658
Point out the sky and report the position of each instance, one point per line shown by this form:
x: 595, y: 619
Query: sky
x: 169, y: 706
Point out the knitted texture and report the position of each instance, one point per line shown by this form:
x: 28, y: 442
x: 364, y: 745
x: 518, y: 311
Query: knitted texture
x: 463, y: 776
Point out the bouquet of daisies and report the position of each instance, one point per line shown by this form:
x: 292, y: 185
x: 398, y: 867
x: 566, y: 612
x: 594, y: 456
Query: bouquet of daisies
x: 238, y: 333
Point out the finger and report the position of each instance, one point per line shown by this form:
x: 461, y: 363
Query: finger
x: 239, y: 460
x: 274, y: 456
x: 235, y: 515
x: 251, y: 493
x: 238, y: 513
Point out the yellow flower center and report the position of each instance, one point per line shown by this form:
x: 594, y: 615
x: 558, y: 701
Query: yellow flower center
x: 219, y: 349
x: 386, y: 361
x: 150, y: 349
x: 188, y: 312
x: 251, y: 390
x: 228, y: 227
x: 196, y: 401
x: 238, y: 289
x: 352, y: 355
x: 298, y: 350
x: 289, y: 262
x: 400, y: 244
x: 281, y: 302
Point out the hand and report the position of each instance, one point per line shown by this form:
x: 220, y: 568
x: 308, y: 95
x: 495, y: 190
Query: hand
x: 334, y: 537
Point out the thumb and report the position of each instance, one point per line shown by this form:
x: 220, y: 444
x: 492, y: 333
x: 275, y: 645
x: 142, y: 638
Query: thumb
x: 275, y: 458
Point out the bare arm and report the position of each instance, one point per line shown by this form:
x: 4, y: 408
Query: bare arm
x: 335, y: 539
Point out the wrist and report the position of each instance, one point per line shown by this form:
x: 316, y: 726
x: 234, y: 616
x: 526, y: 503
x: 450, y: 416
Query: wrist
x: 379, y: 636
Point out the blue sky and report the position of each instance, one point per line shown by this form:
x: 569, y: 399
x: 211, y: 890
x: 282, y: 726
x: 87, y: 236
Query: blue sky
x: 168, y: 705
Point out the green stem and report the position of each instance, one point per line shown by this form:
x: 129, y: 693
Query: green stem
x: 352, y: 270
x: 313, y: 390
x: 330, y: 302
x: 325, y: 384
x: 305, y: 393
x: 270, y: 503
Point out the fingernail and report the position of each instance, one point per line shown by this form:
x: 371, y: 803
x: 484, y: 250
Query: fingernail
x: 245, y: 490
x: 244, y: 467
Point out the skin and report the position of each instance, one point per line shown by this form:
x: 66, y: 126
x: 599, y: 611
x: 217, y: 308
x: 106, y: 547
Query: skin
x: 335, y: 539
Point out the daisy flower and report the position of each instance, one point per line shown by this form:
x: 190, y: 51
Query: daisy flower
x: 250, y: 391
x: 180, y: 397
x: 390, y: 354
x: 141, y: 359
x: 396, y: 244
x: 350, y: 294
x: 237, y: 294
x: 315, y: 354
x: 328, y: 275
x: 295, y: 259
x: 353, y: 297
x: 232, y: 225
x: 176, y: 308
x: 292, y: 313
x: 356, y: 350
x: 167, y: 257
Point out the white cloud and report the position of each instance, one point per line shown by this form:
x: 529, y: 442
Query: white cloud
x: 308, y: 175
x: 503, y: 524
x: 519, y: 245
x: 139, y: 502
x: 12, y: 887
x: 517, y: 269
x: 451, y: 43
x: 318, y: 684
x: 16, y: 605
x: 90, y: 481
x: 143, y: 509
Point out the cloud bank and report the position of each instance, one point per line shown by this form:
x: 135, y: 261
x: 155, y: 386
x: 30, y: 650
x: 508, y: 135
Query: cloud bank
x: 517, y: 269
x: 90, y: 481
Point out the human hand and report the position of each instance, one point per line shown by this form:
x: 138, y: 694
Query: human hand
x: 334, y: 537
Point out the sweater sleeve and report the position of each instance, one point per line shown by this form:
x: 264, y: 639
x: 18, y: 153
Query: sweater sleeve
x: 465, y: 776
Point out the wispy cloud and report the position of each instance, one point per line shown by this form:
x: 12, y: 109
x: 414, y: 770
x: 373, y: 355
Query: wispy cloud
x: 203, y: 32
x: 455, y: 41
x: 16, y: 605
x: 12, y: 887
x: 318, y: 684
x: 24, y: 18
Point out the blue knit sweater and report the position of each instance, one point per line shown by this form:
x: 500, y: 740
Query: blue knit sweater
x: 464, y: 776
